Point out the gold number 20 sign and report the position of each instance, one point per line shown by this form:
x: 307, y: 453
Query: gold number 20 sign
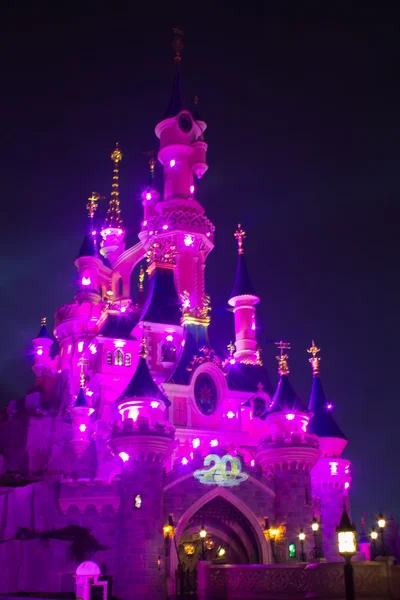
x: 225, y: 471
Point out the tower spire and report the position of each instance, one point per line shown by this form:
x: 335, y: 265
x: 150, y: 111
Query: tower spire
x: 175, y: 103
x: 113, y: 219
x: 240, y: 235
x: 282, y: 358
x: 314, y: 360
x: 91, y: 206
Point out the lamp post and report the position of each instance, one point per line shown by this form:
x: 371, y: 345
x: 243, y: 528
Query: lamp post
x: 315, y: 529
x: 382, y: 525
x: 302, y: 537
x: 346, y: 533
x: 203, y: 535
x: 374, y: 537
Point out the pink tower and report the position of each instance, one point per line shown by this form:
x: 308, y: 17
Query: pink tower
x: 287, y: 453
x: 331, y: 475
x: 244, y: 300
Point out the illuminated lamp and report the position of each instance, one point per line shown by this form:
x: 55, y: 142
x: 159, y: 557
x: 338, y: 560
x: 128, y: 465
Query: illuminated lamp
x: 252, y: 462
x: 144, y: 223
x: 290, y: 416
x: 221, y: 552
x: 124, y: 456
x: 86, y: 281
x: 169, y: 338
x: 165, y: 227
x: 184, y: 460
x: 192, y: 189
x: 172, y: 162
x: 196, y: 443
x: 94, y: 232
x: 138, y: 501
x: 188, y: 239
x: 93, y: 349
x: 382, y: 524
x: 39, y: 351
x: 82, y: 428
x: 346, y: 485
x: 230, y: 414
x: 189, y: 549
x: 346, y: 535
x: 302, y: 537
x: 80, y: 346
x: 148, y: 196
x: 315, y: 529
x: 214, y: 443
x: 154, y: 404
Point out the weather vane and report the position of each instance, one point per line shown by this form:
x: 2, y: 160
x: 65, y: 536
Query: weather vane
x: 282, y: 359
x: 240, y: 235
x: 314, y: 360
x: 93, y: 202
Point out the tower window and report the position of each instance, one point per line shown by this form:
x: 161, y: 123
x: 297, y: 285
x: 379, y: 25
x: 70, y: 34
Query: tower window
x: 109, y: 358
x: 118, y: 357
x: 259, y: 406
x: 307, y: 492
x: 101, y: 292
x: 168, y: 352
x: 120, y: 287
x: 128, y: 360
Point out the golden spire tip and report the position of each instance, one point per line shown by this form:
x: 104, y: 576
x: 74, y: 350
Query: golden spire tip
x: 240, y: 235
x: 314, y: 360
x: 283, y: 365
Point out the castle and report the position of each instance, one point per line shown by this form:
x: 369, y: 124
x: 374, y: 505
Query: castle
x: 137, y: 431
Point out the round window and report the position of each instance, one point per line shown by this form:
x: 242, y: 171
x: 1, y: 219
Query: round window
x: 205, y: 393
x: 185, y: 123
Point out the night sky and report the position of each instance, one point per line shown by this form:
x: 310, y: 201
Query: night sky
x: 303, y: 132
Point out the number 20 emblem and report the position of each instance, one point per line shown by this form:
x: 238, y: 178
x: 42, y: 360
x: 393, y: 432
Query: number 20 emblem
x: 218, y: 473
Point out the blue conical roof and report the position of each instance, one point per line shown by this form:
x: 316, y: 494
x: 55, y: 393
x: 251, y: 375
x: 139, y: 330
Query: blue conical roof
x: 90, y: 246
x: 81, y: 399
x: 143, y: 385
x: 162, y: 303
x: 285, y: 398
x: 195, y: 338
x: 322, y: 423
x: 242, y: 285
x: 43, y: 333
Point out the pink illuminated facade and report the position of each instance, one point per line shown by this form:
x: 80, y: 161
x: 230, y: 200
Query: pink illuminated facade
x: 137, y: 431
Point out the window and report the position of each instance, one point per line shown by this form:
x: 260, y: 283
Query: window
x: 120, y: 287
x: 128, y: 360
x: 259, y: 406
x: 109, y: 358
x: 205, y: 393
x: 168, y: 352
x: 118, y: 357
x: 307, y: 496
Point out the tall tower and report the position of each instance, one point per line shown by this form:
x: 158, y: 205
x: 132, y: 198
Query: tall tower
x: 243, y: 300
x: 331, y: 475
x: 112, y: 232
x: 287, y: 452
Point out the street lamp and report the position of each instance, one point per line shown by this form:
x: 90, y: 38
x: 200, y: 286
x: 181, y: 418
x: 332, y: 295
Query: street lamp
x: 315, y: 528
x: 203, y: 535
x: 302, y: 537
x: 374, y: 537
x: 382, y: 525
x: 346, y: 533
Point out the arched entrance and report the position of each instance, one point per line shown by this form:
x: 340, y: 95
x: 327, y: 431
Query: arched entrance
x: 231, y: 527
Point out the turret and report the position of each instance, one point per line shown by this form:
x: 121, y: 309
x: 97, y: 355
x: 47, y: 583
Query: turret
x: 287, y: 452
x: 112, y: 232
x: 331, y: 476
x: 42, y: 344
x: 243, y: 300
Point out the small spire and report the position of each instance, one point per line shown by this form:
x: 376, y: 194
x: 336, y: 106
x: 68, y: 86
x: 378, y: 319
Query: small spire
x: 82, y: 362
x: 43, y: 322
x: 141, y: 278
x: 231, y: 349
x: 314, y: 360
x: 143, y: 350
x: 113, y: 219
x: 283, y: 358
x: 177, y: 43
x: 93, y: 202
x: 240, y: 235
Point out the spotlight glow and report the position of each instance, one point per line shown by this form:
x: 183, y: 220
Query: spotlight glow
x: 148, y: 196
x: 39, y: 351
x: 124, y: 456
x: 290, y: 416
x: 172, y: 162
x: 86, y: 281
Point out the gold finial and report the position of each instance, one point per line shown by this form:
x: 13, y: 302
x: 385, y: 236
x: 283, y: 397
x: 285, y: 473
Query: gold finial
x: 240, y: 235
x: 82, y: 362
x: 259, y: 361
x: 231, y: 348
x: 93, y: 202
x: 43, y: 321
x: 143, y: 350
x: 177, y: 43
x: 141, y: 278
x: 314, y: 360
x: 282, y: 359
x: 113, y: 219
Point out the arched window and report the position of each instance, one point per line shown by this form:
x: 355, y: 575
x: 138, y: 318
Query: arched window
x: 109, y: 357
x: 118, y: 357
x: 259, y: 406
x: 168, y: 352
x: 120, y: 287
x: 128, y: 360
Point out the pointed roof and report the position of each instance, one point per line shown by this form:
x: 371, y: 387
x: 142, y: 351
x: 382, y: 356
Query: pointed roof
x: 162, y: 303
x: 43, y: 332
x: 242, y: 285
x: 285, y: 398
x: 81, y: 399
x: 345, y: 523
x: 195, y: 337
x: 143, y: 385
x: 322, y: 422
x: 90, y: 246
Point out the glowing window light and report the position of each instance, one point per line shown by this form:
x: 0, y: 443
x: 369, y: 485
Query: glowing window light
x: 151, y: 232
x: 165, y: 227
x: 154, y: 404
x: 124, y: 456
x: 133, y: 413
x: 192, y: 189
x: 148, y: 196
x: 346, y: 470
x: 304, y: 425
x: 253, y: 325
x: 91, y: 410
x: 138, y: 501
x: 123, y: 309
x: 346, y: 485
x: 346, y: 541
x: 172, y: 162
x: 188, y: 239
x: 39, y: 351
x: 214, y: 443
x: 232, y: 361
x: 196, y: 443
x: 290, y: 416
x: 144, y: 223
x: 252, y: 462
x: 183, y: 343
x: 89, y: 393
x: 93, y: 349
x: 191, y: 455
x: 94, y: 232
x: 69, y: 349
x: 119, y: 343
x: 334, y: 466
x: 184, y: 460
x: 82, y: 427
x: 208, y: 234
x: 86, y: 281
x: 230, y: 414
x: 169, y: 338
x: 80, y: 346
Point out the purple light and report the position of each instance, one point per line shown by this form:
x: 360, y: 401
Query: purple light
x: 192, y: 189
x: 214, y: 443
x: 151, y: 232
x: 39, y: 351
x: 93, y: 349
x: 165, y: 227
x: 124, y: 456
x: 82, y: 428
x: 154, y: 404
x: 346, y: 485
x: 252, y: 462
x: 172, y: 163
x: 290, y: 416
x: 232, y: 361
x: 123, y: 309
x: 184, y: 461
x: 80, y: 346
x: 183, y: 343
x: 86, y: 281
x: 329, y: 406
x: 94, y: 232
x: 148, y: 196
x: 230, y: 414
x: 196, y: 443
x: 144, y: 223
x: 188, y: 239
x: 169, y: 338
x: 208, y: 234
